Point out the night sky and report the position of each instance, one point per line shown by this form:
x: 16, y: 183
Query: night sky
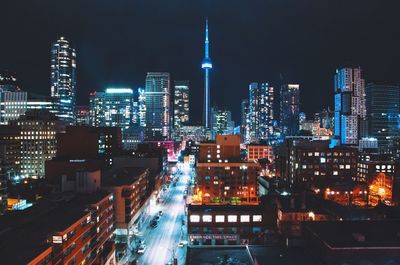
x: 118, y: 41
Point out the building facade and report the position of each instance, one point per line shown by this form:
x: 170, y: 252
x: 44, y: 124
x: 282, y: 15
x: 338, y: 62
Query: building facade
x: 158, y: 106
x: 261, y: 111
x: 13, y: 101
x: 82, y: 115
x: 221, y: 175
x: 37, y: 135
x: 115, y: 108
x: 181, y: 103
x: 62, y: 230
x: 221, y: 122
x: 63, y: 80
x: 245, y: 121
x: 289, y: 109
x: 383, y: 113
x: 350, y: 108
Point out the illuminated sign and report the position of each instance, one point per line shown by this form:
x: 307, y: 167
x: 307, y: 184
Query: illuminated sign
x: 119, y: 90
x: 212, y: 236
x: 57, y: 239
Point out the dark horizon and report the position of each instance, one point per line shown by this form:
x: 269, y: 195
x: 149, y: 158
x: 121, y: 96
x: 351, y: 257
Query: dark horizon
x: 117, y: 43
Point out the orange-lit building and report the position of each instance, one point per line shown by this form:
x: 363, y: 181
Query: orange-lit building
x: 130, y: 188
x: 225, y: 148
x: 380, y: 173
x: 258, y: 151
x: 222, y: 177
x: 68, y: 229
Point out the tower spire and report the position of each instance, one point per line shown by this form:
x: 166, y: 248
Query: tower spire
x: 207, y: 66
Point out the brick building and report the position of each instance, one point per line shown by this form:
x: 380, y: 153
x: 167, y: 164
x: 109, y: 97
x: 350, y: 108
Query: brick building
x: 74, y: 229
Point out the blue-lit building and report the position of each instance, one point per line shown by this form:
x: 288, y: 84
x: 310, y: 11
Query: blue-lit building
x: 206, y: 65
x: 383, y: 110
x: 142, y: 107
x: 261, y: 111
x: 350, y: 109
x: 116, y: 107
x: 158, y: 106
x: 289, y: 109
x: 63, y: 80
x: 222, y: 122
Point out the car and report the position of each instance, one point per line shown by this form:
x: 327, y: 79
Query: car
x: 156, y: 218
x: 141, y: 249
x: 160, y: 213
x: 153, y: 224
x: 180, y: 244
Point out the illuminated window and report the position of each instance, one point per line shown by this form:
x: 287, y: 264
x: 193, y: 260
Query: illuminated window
x: 232, y: 218
x: 322, y: 159
x: 219, y: 218
x: 207, y: 218
x: 245, y: 218
x: 194, y: 218
x: 257, y: 218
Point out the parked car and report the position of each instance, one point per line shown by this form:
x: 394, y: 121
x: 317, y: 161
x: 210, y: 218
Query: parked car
x: 156, y: 218
x: 153, y: 224
x: 160, y: 213
x: 141, y: 249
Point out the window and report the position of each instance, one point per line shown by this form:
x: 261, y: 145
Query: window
x: 257, y: 218
x: 207, y: 218
x: 232, y: 218
x: 335, y: 173
x: 194, y: 218
x: 219, y: 218
x: 322, y: 159
x: 245, y: 218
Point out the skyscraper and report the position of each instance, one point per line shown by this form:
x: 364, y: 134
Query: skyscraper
x: 222, y: 122
x: 157, y: 106
x: 261, y: 111
x: 114, y: 108
x: 142, y: 107
x: 290, y: 110
x: 350, y: 109
x: 63, y: 80
x: 13, y: 101
x: 245, y: 121
x: 207, y: 66
x: 383, y: 110
x: 181, y: 103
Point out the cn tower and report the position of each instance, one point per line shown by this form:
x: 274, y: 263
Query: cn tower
x: 207, y: 66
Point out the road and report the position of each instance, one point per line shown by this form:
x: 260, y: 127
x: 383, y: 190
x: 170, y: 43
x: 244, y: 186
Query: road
x: 162, y: 241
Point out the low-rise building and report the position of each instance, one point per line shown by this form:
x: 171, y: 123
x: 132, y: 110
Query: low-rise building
x: 354, y: 242
x: 130, y: 188
x: 259, y: 151
x: 226, y: 224
x: 66, y: 229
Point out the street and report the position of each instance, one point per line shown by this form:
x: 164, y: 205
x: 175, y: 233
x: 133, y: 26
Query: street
x: 162, y: 241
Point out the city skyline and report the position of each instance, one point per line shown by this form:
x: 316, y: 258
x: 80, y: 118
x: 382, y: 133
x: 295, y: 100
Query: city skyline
x: 269, y: 55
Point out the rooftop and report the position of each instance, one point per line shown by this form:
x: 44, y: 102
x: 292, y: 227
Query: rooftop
x: 356, y: 234
x: 51, y: 215
x: 122, y: 176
